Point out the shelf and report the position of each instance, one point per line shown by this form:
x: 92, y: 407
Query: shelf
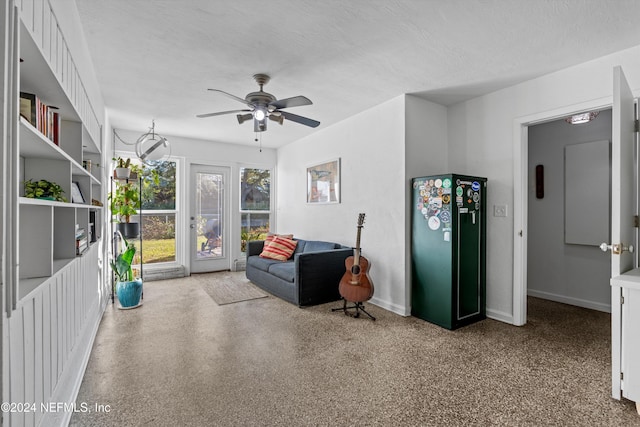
x: 41, y: 202
x: 29, y: 285
x: 33, y: 144
x: 34, y: 70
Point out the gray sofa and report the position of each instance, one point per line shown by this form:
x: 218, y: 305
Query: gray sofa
x: 311, y: 276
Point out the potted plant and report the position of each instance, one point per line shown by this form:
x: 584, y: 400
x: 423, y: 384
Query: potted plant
x: 122, y: 170
x: 124, y: 202
x: 128, y: 289
x: 43, y: 189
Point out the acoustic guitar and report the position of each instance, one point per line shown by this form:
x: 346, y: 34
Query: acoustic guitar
x: 356, y: 285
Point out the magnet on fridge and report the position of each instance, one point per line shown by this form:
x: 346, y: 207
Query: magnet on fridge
x: 434, y: 223
x: 447, y: 236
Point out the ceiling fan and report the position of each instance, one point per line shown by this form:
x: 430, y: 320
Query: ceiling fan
x: 262, y: 106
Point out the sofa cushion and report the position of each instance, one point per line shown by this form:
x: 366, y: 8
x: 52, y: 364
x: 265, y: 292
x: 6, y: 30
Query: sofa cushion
x: 261, y: 263
x: 279, y: 249
x: 317, y: 245
x: 284, y: 270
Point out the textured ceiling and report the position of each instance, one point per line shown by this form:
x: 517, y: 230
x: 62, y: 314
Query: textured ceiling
x: 155, y: 59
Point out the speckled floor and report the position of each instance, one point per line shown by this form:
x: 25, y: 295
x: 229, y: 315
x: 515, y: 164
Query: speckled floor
x: 180, y: 359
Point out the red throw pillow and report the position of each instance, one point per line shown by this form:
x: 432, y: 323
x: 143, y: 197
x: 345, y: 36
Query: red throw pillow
x: 272, y: 236
x: 279, y: 248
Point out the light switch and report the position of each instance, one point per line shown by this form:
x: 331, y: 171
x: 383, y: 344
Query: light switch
x: 500, y: 210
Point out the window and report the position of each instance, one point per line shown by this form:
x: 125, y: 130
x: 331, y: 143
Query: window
x: 255, y: 204
x: 158, y: 213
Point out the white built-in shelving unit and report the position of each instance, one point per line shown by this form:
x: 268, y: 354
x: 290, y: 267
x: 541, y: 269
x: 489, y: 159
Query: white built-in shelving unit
x: 54, y: 297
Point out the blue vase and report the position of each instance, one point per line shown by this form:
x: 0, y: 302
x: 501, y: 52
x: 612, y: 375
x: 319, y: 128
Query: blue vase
x: 129, y: 293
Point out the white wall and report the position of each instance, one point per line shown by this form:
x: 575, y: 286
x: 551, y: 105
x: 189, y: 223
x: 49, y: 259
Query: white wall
x: 371, y: 148
x: 481, y: 142
x: 573, y: 274
x: 381, y: 149
x: 426, y: 154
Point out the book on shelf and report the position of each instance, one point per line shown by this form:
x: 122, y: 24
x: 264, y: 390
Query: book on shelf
x: 45, y: 118
x: 80, y: 233
x: 82, y: 248
x: 28, y: 107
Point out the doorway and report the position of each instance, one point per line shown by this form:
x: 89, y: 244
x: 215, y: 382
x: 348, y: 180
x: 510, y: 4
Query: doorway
x: 568, y: 203
x: 209, y: 218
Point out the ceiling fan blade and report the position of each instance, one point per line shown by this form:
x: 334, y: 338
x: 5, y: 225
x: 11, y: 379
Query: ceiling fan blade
x: 295, y: 101
x: 220, y: 113
x: 299, y: 119
x: 244, y: 101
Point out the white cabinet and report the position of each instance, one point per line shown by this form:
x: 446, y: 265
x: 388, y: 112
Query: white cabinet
x: 629, y: 286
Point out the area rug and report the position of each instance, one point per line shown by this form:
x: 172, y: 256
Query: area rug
x: 229, y: 287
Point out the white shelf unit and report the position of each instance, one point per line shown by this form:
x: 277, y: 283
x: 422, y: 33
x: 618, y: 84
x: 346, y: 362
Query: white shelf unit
x: 54, y: 298
x: 47, y: 228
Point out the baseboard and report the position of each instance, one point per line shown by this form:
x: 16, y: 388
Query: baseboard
x: 164, y: 273
x: 500, y: 316
x: 239, y: 265
x: 593, y: 305
x: 394, y: 308
x: 69, y: 385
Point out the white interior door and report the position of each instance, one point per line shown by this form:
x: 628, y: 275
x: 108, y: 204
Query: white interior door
x: 209, y: 219
x: 623, y: 208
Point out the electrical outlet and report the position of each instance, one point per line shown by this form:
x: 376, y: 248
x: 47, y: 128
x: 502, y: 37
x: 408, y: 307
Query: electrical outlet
x: 500, y: 210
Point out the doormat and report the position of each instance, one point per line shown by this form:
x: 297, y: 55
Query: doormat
x: 229, y: 287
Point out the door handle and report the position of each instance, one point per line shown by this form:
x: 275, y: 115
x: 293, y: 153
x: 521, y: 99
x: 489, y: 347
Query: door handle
x: 616, y: 248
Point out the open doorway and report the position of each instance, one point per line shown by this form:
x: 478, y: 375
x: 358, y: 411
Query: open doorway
x: 572, y: 165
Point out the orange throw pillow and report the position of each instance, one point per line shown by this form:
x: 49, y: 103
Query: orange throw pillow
x: 279, y: 248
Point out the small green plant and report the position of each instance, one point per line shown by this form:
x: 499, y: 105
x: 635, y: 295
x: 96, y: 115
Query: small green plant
x: 125, y: 201
x: 122, y: 264
x: 43, y: 189
x: 121, y: 163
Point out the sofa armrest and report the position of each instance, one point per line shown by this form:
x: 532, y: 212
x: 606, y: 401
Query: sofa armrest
x: 318, y: 275
x: 254, y: 247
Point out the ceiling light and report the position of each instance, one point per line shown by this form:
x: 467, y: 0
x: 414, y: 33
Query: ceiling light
x: 577, y: 119
x: 259, y: 114
x: 259, y: 125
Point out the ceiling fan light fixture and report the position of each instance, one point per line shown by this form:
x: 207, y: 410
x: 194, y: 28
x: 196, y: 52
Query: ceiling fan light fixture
x: 244, y: 117
x: 260, y: 113
x: 277, y: 118
x: 581, y: 118
x: 259, y: 125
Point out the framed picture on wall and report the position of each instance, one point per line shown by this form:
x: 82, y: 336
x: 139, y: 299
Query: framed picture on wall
x: 323, y: 182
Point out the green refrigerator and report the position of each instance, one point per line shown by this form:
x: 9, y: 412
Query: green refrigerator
x: 448, y: 235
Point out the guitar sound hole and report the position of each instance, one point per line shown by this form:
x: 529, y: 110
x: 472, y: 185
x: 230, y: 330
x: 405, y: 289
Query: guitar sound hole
x: 355, y: 269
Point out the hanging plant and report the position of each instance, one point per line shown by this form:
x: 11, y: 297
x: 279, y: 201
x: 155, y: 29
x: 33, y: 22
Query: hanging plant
x: 43, y: 189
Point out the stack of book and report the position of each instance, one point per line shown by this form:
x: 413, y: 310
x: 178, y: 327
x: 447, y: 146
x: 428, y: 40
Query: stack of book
x: 82, y: 242
x: 43, y: 117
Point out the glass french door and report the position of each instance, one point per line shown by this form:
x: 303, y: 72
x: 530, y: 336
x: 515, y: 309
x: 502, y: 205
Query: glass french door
x: 208, y: 219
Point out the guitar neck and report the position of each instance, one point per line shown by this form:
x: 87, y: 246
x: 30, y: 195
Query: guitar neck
x: 356, y: 251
